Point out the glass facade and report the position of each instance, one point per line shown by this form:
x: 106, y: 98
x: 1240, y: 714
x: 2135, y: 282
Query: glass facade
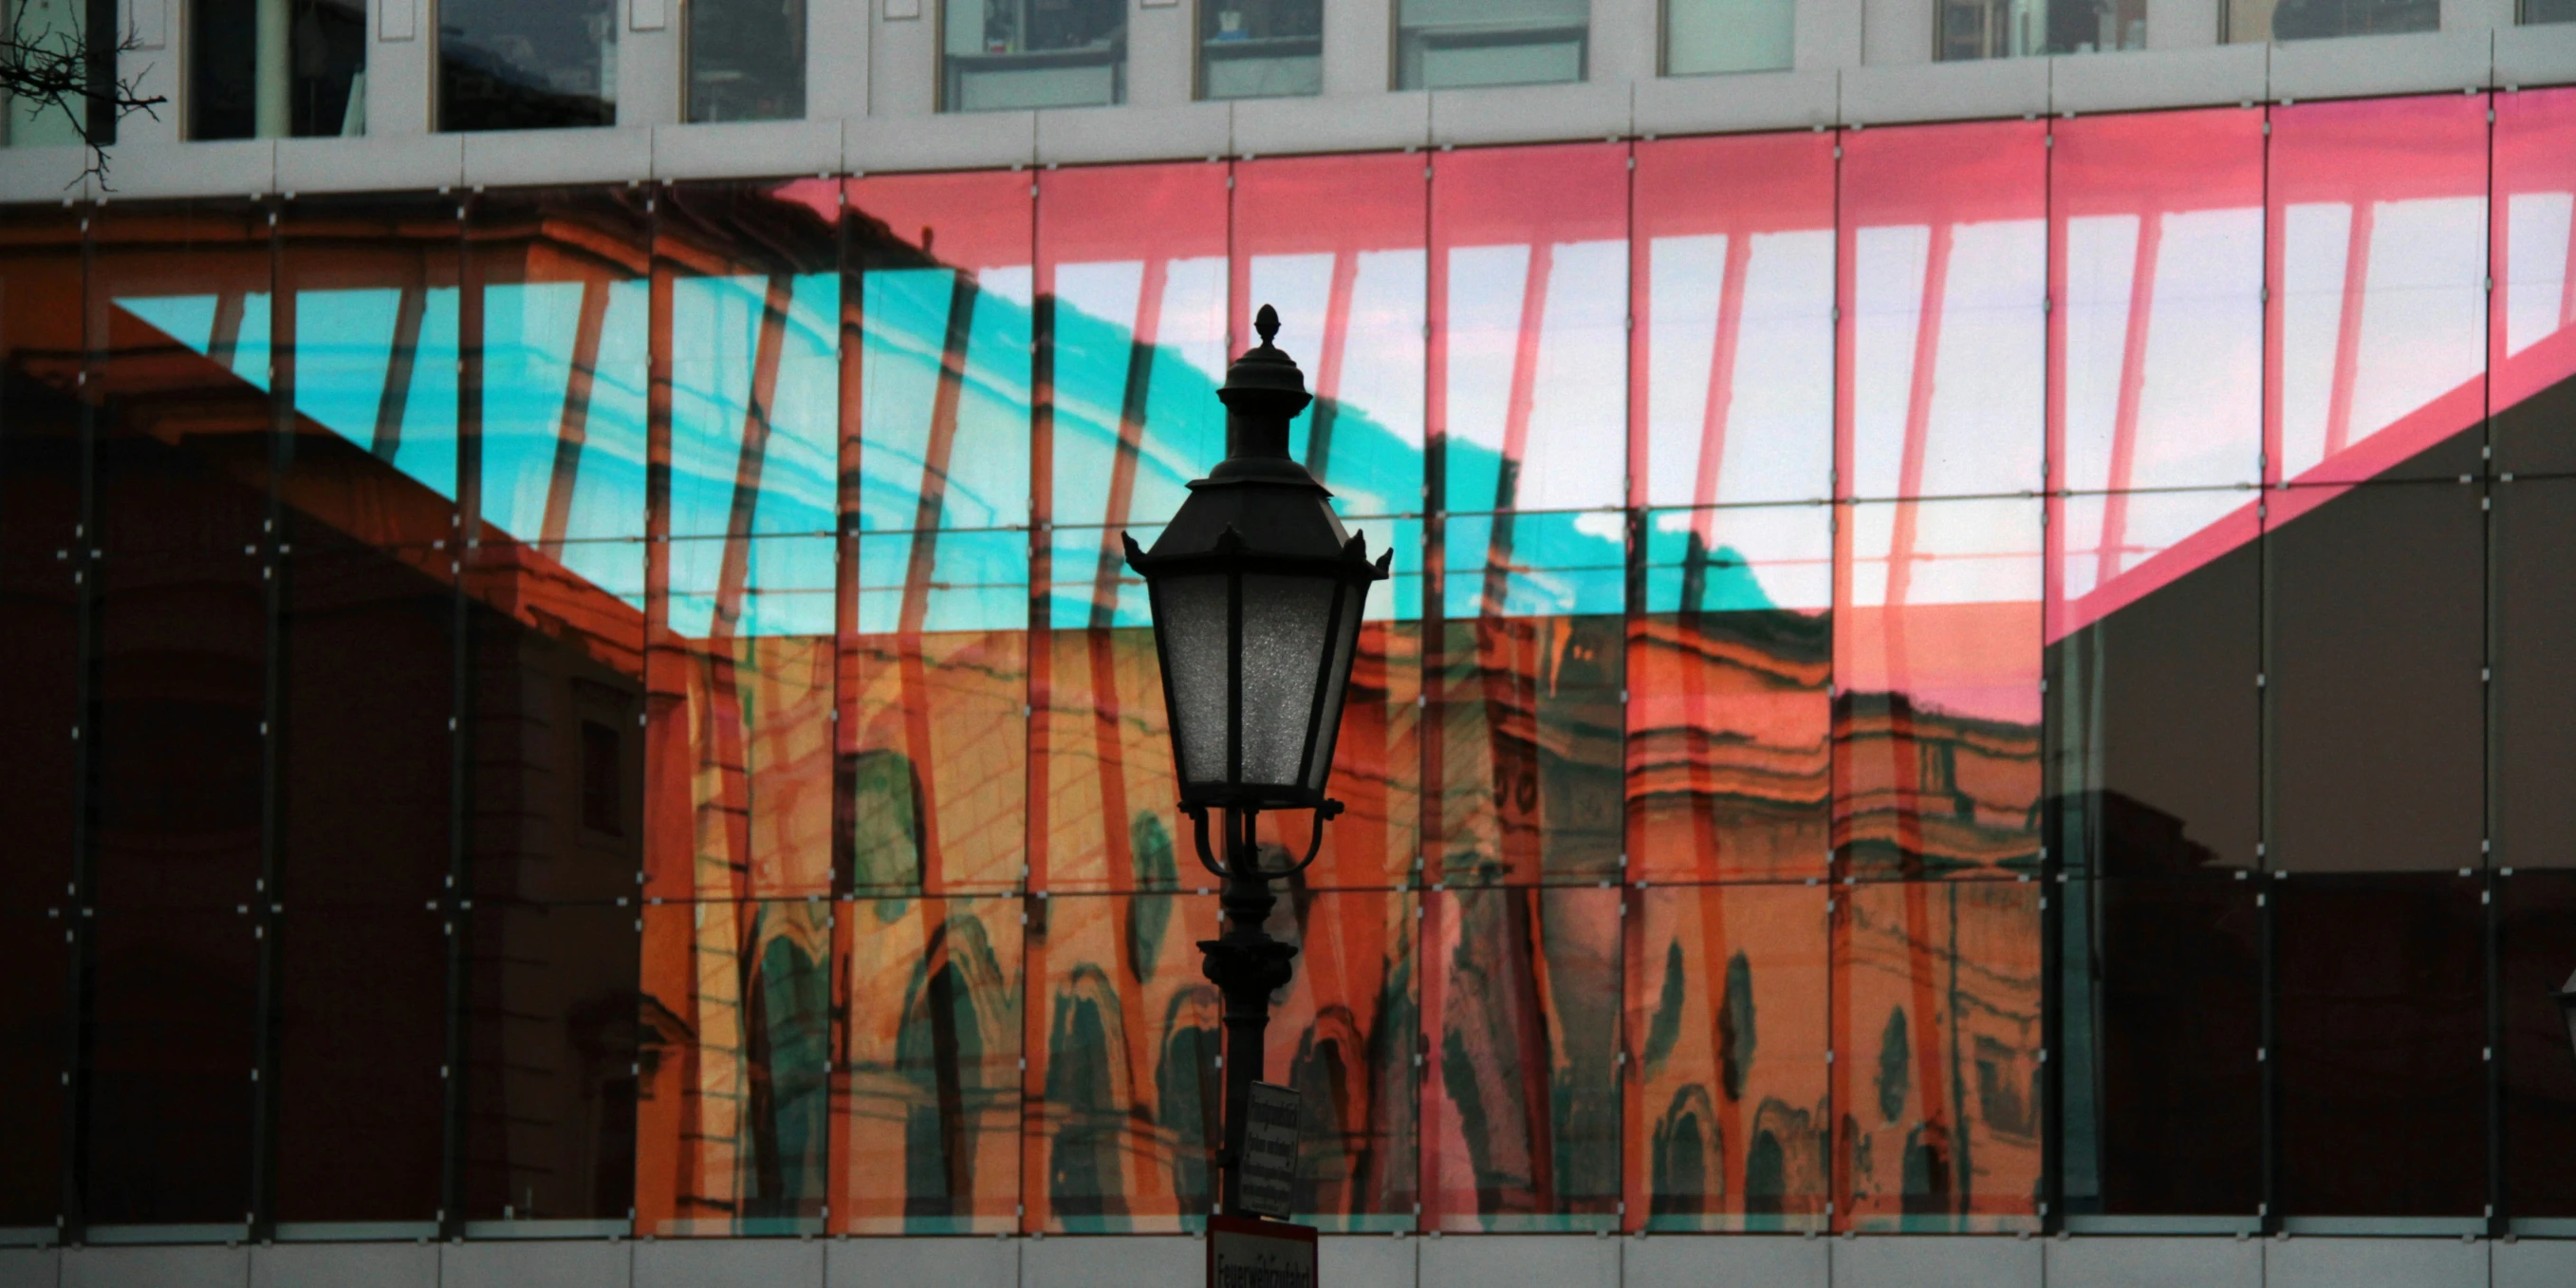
x: 1949, y: 678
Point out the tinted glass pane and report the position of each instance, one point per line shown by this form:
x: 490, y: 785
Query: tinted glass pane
x: 179, y: 320
x: 40, y: 499
x: 1527, y: 716
x: 1733, y: 356
x: 1110, y: 821
x: 1726, y: 1021
x: 35, y: 975
x: 1377, y: 769
x: 1943, y: 339
x: 1936, y: 672
x: 1728, y: 36
x: 927, y: 1139
x: 1350, y: 291
x: 2162, y: 989
x: 2382, y: 1077
x: 730, y: 1122
x: 362, y: 1036
x: 2377, y: 718
x: 239, y: 90
x: 1937, y: 1005
x: 553, y: 1041
x: 2539, y: 953
x: 2533, y: 626
x: 2020, y: 28
x: 371, y: 291
x: 998, y: 56
x: 1521, y: 1112
x: 1730, y: 677
x: 2379, y: 219
x: 515, y: 65
x: 2274, y: 20
x: 746, y: 60
x: 2152, y: 658
x: 173, y: 1015
x: 1453, y: 44
x: 1529, y: 264
x: 1261, y: 48
x: 2157, y: 225
x: 1125, y: 1098
x: 2531, y: 344
x: 1334, y: 1032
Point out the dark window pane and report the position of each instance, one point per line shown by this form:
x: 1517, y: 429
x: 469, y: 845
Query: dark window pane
x: 2534, y: 620
x: 173, y: 1020
x: 2381, y: 1033
x: 1066, y: 53
x: 34, y: 1038
x: 2539, y: 951
x: 2156, y: 711
x: 2377, y: 719
x: 362, y: 1032
x: 746, y: 60
x: 552, y: 1039
x: 237, y: 92
x: 40, y: 484
x: 2276, y: 20
x: 526, y: 64
x: 2162, y: 1023
x: 532, y: 699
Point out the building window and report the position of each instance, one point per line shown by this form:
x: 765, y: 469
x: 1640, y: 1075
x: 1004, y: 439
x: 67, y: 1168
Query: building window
x: 2019, y: 28
x: 2538, y: 11
x: 2262, y: 20
x: 746, y: 60
x: 526, y: 64
x: 54, y: 26
x: 267, y: 69
x: 1002, y: 54
x: 1454, y: 44
x: 1728, y: 36
x: 1261, y: 48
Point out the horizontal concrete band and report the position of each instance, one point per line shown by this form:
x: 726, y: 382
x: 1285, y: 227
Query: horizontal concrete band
x: 1475, y: 1261
x: 2433, y: 62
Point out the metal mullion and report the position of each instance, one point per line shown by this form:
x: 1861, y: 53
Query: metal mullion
x: 2267, y: 914
x: 71, y: 1220
x: 268, y: 906
x: 2499, y: 1201
x: 454, y: 1108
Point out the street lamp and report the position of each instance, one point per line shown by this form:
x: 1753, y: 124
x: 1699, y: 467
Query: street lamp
x: 1256, y: 594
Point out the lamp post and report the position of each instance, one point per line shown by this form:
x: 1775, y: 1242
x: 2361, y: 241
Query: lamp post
x: 1256, y: 594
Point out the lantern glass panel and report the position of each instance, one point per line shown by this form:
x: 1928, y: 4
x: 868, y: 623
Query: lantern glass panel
x: 1337, y: 679
x: 1286, y: 621
x: 1192, y: 620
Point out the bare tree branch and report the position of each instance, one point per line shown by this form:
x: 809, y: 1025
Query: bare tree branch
x: 48, y: 69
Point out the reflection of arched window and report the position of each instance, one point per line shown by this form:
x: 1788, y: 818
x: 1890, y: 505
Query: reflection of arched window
x: 1085, y: 1052
x: 790, y: 1000
x: 940, y: 1051
x: 1328, y: 1076
x: 1187, y: 1087
x: 1686, y: 1154
x: 886, y: 823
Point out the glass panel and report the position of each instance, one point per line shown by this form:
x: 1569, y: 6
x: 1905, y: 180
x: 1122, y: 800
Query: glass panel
x: 2280, y: 20
x: 313, y: 81
x: 2020, y: 28
x: 526, y: 64
x: 1125, y: 1097
x: 179, y: 322
x: 1729, y: 36
x: 1376, y: 772
x: 738, y: 759
x: 944, y: 363
x: 173, y: 1017
x: 1351, y: 294
x: 746, y: 60
x: 2152, y: 652
x: 2379, y: 267
x: 1527, y: 715
x: 1730, y: 707
x: 1936, y: 986
x: 1726, y: 1019
x: 1261, y: 48
x: 2538, y: 948
x: 2532, y: 629
x: 35, y: 970
x: 371, y: 291
x: 553, y: 1041
x: 1521, y: 1096
x: 1455, y: 44
x: 1029, y: 53
x: 1336, y: 1036
x: 2157, y: 224
x: 1937, y: 687
x: 926, y: 1134
x: 1944, y: 286
x: 2382, y: 1097
x: 361, y: 1040
x: 1733, y: 353
x: 2531, y: 333
x: 55, y: 28
x: 2377, y: 722
x: 2162, y: 989
x: 40, y: 514
x: 1109, y: 818
x: 731, y: 1117
x: 1529, y: 324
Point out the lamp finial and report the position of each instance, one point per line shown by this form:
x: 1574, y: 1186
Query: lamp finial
x: 1267, y: 323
